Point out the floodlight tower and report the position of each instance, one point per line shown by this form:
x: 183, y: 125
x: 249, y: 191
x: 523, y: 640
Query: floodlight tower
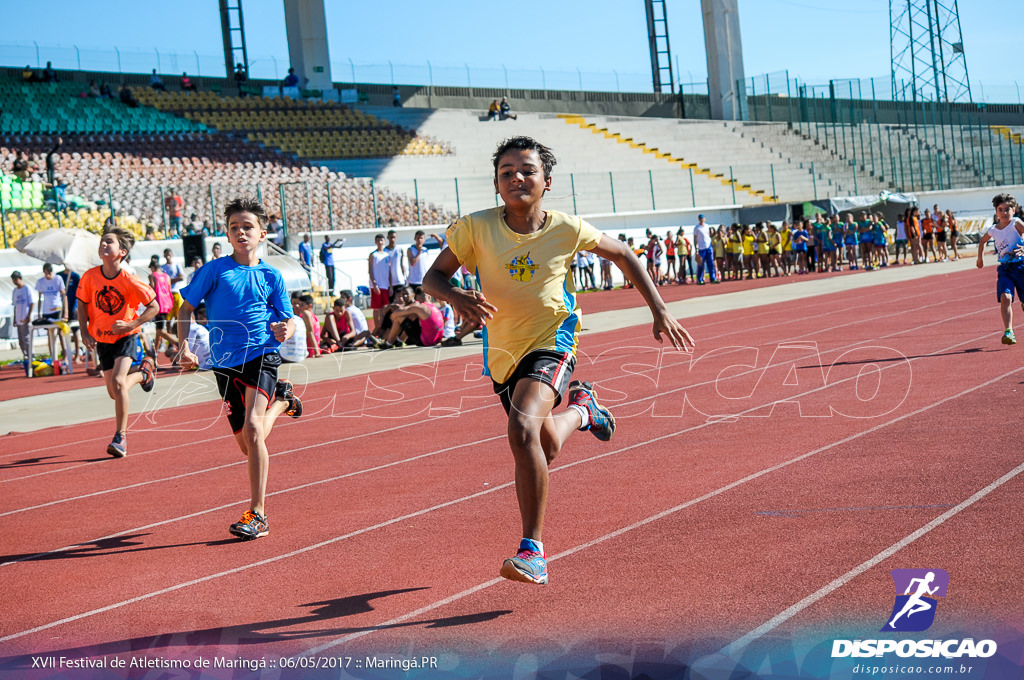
x: 723, y: 48
x: 661, y: 55
x: 927, y: 51
x: 232, y: 26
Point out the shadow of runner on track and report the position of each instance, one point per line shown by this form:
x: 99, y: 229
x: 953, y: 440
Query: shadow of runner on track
x: 42, y: 460
x: 889, y: 360
x: 105, y: 546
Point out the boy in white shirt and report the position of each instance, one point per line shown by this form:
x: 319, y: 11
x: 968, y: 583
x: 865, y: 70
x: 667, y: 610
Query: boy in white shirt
x: 21, y: 298
x: 1008, y: 234
x: 53, y: 304
x: 199, y: 339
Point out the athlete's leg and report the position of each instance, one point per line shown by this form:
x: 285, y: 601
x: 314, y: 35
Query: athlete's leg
x: 330, y: 329
x: 274, y: 410
x: 252, y: 440
x: 535, y: 437
x: 1006, y: 309
x: 119, y: 381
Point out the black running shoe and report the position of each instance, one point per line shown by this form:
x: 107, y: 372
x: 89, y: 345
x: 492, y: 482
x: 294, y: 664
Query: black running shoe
x: 286, y: 392
x: 148, y: 376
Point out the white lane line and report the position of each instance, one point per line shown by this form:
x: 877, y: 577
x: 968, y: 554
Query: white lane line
x: 245, y: 567
x: 346, y: 475
x: 734, y: 647
x: 654, y: 369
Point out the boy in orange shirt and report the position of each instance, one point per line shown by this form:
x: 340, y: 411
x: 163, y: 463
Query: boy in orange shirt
x: 109, y: 297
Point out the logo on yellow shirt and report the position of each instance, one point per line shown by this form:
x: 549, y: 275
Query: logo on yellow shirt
x: 521, y: 268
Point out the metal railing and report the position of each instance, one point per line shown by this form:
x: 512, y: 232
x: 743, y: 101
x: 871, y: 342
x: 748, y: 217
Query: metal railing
x: 429, y: 73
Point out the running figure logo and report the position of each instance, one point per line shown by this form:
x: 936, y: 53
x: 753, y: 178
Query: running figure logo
x: 521, y: 268
x: 917, y: 590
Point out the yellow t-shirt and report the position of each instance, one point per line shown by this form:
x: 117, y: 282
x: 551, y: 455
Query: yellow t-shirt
x: 748, y: 244
x: 787, y: 240
x: 718, y: 247
x: 527, y: 277
x: 735, y: 244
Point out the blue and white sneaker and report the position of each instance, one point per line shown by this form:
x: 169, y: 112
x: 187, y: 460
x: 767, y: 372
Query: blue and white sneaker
x: 118, y: 446
x: 528, y: 566
x: 599, y: 420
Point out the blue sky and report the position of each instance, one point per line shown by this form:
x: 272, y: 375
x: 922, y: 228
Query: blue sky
x: 601, y: 43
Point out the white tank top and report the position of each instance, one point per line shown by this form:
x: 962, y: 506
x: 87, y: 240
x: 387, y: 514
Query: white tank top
x: 294, y: 348
x: 901, y: 230
x: 419, y: 269
x: 381, y: 268
x: 397, y: 256
x: 1006, y: 240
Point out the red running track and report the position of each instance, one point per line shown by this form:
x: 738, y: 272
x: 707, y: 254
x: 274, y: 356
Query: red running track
x: 756, y: 494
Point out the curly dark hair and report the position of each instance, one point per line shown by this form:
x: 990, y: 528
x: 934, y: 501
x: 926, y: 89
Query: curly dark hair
x: 999, y: 199
x: 547, y: 157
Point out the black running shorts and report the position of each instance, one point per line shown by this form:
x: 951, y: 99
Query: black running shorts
x: 547, y: 366
x: 259, y: 373
x: 125, y: 346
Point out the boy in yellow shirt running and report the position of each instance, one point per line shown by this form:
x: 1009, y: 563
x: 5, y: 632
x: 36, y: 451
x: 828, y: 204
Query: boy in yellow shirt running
x: 527, y: 305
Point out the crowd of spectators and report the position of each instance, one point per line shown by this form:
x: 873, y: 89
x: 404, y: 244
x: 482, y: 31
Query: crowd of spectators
x: 404, y: 315
x: 820, y: 243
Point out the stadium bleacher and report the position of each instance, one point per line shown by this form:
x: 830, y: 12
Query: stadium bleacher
x: 131, y: 157
x: 311, y: 129
x: 63, y: 108
x: 428, y: 165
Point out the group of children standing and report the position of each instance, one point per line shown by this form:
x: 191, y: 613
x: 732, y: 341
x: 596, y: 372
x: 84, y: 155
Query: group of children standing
x: 819, y: 244
x: 822, y: 243
x: 828, y: 243
x: 928, y: 234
